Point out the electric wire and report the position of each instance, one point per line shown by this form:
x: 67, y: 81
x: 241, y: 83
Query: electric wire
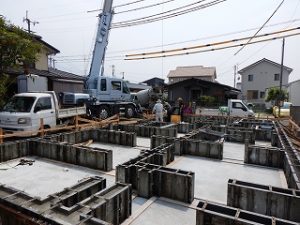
x: 211, y: 44
x: 161, y: 13
x: 278, y: 7
x: 144, y: 7
x: 145, y: 21
x: 215, y: 49
x: 129, y: 3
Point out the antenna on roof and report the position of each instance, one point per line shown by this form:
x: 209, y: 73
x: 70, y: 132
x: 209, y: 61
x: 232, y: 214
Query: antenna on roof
x: 29, y: 22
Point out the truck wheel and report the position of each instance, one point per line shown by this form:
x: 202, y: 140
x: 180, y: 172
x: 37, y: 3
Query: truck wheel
x: 103, y: 113
x: 129, y: 111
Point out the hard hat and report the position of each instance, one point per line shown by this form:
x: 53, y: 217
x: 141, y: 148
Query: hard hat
x: 158, y: 101
x: 180, y: 99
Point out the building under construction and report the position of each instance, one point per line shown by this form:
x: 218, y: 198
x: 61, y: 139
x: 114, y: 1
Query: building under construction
x: 207, y: 170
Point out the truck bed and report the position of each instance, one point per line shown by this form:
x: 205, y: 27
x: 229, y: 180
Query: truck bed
x: 69, y: 112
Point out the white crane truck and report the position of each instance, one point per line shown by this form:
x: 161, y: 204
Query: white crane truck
x: 107, y: 95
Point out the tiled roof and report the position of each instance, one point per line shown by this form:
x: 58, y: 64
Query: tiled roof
x: 51, y: 74
x: 193, y: 71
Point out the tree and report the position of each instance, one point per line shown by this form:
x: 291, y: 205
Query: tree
x: 18, y: 50
x: 274, y: 94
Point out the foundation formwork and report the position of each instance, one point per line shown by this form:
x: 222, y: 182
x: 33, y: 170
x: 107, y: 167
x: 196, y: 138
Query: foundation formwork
x: 267, y: 200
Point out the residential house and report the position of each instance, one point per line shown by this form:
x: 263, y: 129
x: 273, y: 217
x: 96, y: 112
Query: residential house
x: 258, y: 77
x: 190, y: 90
x: 187, y: 72
x: 294, y: 92
x: 41, y: 77
x: 155, y: 82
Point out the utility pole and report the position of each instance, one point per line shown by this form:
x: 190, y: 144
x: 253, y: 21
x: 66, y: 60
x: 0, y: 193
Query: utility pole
x: 234, y: 78
x: 113, y: 70
x: 281, y: 74
x: 123, y: 75
x: 29, y: 22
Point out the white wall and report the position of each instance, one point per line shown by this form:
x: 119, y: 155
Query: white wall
x: 263, y: 78
x: 32, y: 83
x: 294, y: 92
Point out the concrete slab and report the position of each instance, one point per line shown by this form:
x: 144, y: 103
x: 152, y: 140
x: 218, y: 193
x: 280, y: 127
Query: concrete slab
x: 143, y: 142
x: 45, y: 176
x: 179, y: 135
x: 233, y: 151
x: 121, y: 153
x: 164, y: 213
x: 137, y: 202
x: 211, y: 176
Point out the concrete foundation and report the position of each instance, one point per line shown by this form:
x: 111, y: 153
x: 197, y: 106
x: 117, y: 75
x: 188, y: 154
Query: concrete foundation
x: 149, y: 129
x: 148, y: 176
x: 267, y: 200
x: 215, y: 214
x: 97, y: 135
x: 291, y: 161
x: 264, y: 156
x: 204, y: 143
x: 88, y: 202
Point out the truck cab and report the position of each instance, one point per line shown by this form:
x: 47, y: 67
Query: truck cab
x: 24, y: 111
x: 237, y: 107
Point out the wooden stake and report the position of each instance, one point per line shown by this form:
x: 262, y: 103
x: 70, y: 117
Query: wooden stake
x: 1, y: 136
x: 42, y: 127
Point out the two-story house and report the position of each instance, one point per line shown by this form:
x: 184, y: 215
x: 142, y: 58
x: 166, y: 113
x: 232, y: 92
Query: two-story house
x: 258, y: 77
x: 40, y: 76
x: 187, y: 72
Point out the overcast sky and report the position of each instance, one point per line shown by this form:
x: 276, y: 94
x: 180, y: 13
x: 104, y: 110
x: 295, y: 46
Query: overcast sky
x: 66, y: 25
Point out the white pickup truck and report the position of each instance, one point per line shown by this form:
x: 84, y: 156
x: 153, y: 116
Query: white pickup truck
x: 235, y: 107
x: 24, y: 111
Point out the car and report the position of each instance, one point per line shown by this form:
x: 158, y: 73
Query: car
x: 284, y: 110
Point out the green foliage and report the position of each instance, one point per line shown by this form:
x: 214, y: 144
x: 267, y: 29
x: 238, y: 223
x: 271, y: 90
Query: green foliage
x: 274, y: 94
x: 17, y: 49
x: 205, y: 100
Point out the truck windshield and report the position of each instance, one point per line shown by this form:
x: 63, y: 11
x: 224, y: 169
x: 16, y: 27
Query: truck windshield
x: 19, y: 104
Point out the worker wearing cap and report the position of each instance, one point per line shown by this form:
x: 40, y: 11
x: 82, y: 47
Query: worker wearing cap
x: 158, y: 109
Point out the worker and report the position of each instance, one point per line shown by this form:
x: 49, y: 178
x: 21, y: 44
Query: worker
x: 158, y: 109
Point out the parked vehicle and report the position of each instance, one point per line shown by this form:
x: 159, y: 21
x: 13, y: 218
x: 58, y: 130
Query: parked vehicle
x: 235, y: 107
x: 284, y: 110
x: 24, y: 111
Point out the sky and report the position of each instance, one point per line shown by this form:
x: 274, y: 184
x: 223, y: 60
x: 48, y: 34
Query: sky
x: 67, y: 26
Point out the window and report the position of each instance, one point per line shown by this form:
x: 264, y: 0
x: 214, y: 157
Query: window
x: 103, y: 85
x: 43, y: 104
x: 250, y: 77
x: 19, y: 104
x: 276, y: 76
x: 238, y: 105
x: 262, y: 94
x: 125, y: 88
x: 252, y: 94
x: 116, y: 85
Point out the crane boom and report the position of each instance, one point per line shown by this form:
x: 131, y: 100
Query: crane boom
x: 101, y: 42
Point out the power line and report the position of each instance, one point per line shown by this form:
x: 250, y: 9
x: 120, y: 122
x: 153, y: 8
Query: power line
x: 158, y: 14
x: 168, y: 16
x: 211, y: 44
x: 214, y: 49
x: 130, y: 3
x: 144, y: 7
x: 261, y: 27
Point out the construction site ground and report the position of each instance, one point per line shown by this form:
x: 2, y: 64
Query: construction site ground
x: 46, y: 177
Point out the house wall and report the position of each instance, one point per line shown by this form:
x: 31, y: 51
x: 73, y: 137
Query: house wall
x: 65, y: 86
x: 263, y: 78
x: 186, y: 92
x: 42, y: 62
x: 294, y: 92
x: 33, y: 83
